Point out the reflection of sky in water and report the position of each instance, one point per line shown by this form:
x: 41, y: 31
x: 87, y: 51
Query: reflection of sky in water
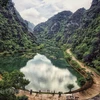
x: 43, y: 75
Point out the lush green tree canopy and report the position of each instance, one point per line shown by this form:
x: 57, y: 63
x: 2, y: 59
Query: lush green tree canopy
x: 70, y: 86
x: 10, y: 82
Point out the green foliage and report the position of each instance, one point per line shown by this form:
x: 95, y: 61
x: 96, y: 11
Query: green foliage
x: 41, y: 46
x: 98, y: 68
x: 17, y: 45
x: 86, y: 43
x: 3, y: 2
x: 89, y: 74
x: 22, y: 97
x: 70, y: 86
x: 10, y: 63
x: 13, y: 34
x: 81, y: 81
x: 67, y: 56
x: 9, y: 82
x: 75, y: 64
x: 17, y: 79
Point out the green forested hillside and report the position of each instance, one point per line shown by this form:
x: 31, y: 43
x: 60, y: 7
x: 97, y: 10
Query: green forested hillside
x: 79, y: 31
x: 86, y: 43
x: 53, y: 29
x: 13, y: 35
x: 17, y: 44
x: 60, y: 27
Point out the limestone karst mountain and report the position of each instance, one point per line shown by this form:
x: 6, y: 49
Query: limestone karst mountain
x: 80, y: 30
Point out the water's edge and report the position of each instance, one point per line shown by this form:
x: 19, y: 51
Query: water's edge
x: 43, y: 75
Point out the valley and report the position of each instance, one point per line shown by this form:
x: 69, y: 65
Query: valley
x: 64, y: 50
x: 83, y: 95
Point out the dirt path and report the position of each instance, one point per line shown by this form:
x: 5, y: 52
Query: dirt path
x: 95, y: 89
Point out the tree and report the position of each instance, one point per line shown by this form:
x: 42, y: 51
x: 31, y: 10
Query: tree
x: 24, y: 97
x: 70, y: 86
x: 17, y: 79
x: 9, y: 82
x: 3, y: 2
x: 81, y: 81
x: 89, y: 76
x: 6, y: 92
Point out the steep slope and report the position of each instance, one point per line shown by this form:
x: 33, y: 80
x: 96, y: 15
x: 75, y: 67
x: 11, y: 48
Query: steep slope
x: 25, y: 23
x: 53, y: 26
x: 14, y: 34
x: 80, y: 31
x: 17, y: 42
x: 30, y: 26
x: 86, y: 41
x: 74, y: 22
x: 61, y: 26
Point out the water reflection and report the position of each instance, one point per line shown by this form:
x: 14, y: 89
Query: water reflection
x: 43, y: 75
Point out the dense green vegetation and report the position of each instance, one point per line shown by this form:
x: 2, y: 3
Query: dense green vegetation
x: 13, y: 37
x: 86, y: 44
x: 70, y: 86
x: 17, y: 45
x: 3, y: 3
x: 10, y: 63
x: 10, y: 84
x: 81, y: 81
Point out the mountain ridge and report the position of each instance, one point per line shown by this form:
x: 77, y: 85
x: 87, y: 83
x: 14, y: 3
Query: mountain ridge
x: 80, y: 31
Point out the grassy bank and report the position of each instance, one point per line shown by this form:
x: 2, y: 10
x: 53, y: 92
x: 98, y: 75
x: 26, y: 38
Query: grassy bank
x: 12, y: 62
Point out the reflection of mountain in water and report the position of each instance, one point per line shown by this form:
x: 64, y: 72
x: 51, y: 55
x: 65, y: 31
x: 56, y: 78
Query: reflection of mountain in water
x: 45, y: 76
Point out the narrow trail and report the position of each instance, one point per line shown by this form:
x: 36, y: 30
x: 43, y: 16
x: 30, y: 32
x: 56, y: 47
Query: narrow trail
x: 95, y: 89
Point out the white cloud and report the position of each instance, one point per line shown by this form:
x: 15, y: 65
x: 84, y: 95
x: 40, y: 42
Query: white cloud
x: 30, y: 12
x: 32, y: 15
x: 41, y: 10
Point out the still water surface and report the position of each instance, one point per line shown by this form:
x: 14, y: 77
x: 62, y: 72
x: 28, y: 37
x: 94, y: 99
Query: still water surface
x: 43, y: 75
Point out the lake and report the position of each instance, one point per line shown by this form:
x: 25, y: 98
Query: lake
x: 43, y: 75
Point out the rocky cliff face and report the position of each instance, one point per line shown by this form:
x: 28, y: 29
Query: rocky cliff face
x: 53, y: 24
x: 60, y: 26
x: 73, y: 23
x: 30, y: 26
x: 94, y: 3
x: 91, y: 13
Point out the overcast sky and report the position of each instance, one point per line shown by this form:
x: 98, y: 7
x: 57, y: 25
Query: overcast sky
x: 37, y: 11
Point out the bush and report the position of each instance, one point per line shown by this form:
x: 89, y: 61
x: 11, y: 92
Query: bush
x: 81, y: 81
x: 24, y: 97
x: 67, y: 56
x: 74, y: 64
x: 98, y: 68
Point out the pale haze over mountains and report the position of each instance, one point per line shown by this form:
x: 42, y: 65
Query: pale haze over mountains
x: 37, y: 11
